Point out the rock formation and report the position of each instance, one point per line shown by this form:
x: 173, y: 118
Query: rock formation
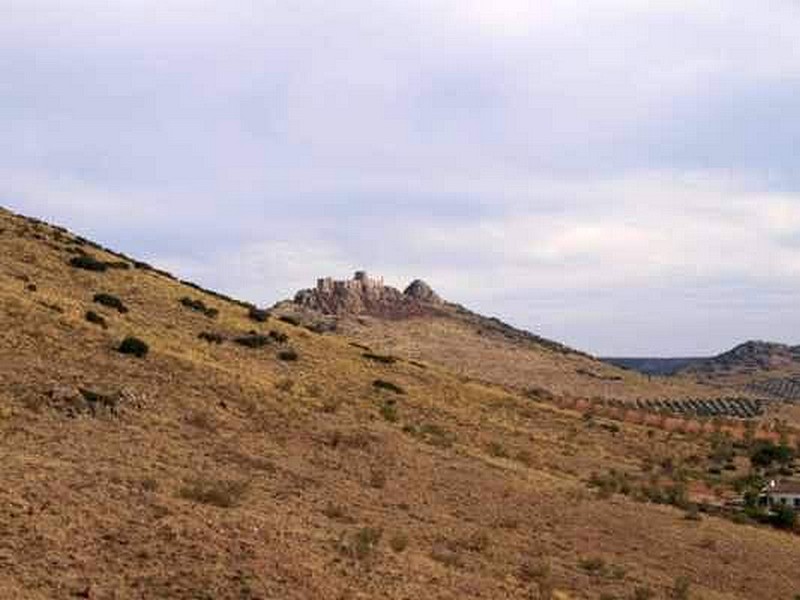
x: 364, y: 295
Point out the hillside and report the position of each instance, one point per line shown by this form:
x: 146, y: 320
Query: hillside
x: 243, y: 456
x: 764, y: 368
x: 474, y: 346
x: 652, y: 366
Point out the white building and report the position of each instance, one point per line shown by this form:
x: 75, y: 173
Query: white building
x: 786, y: 493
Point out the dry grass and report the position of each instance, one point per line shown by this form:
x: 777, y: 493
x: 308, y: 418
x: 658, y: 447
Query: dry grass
x: 152, y: 502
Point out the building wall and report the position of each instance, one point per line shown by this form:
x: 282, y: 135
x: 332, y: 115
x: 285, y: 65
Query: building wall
x: 791, y: 500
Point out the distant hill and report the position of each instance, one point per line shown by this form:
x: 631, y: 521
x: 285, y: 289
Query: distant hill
x: 418, y: 323
x: 652, y: 366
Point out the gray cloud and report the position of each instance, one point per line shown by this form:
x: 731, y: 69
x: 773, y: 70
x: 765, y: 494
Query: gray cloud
x: 621, y: 176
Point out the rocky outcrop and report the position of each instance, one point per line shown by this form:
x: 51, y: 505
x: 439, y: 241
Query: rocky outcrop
x: 364, y: 295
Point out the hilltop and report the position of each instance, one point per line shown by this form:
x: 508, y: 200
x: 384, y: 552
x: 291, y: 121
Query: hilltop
x: 226, y: 452
x: 420, y: 324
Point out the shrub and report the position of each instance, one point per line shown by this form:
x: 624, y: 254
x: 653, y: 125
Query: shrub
x: 288, y: 355
x: 96, y: 319
x: 278, y: 336
x: 497, y: 450
x: 381, y: 358
x: 783, y: 517
x: 252, y: 340
x: 388, y: 385
x: 88, y: 263
x: 336, y: 512
x: 211, y: 338
x: 680, y: 589
x: 594, y: 565
x: 290, y: 320
x: 643, y: 593
x: 111, y: 302
x: 389, y: 411
x: 199, y: 306
x: 134, y: 346
x: 258, y: 314
x: 223, y: 493
x: 118, y: 264
x: 361, y: 544
x: 377, y: 479
x: 398, y: 542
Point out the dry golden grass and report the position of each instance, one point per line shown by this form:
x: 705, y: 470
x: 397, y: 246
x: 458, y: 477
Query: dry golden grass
x: 488, y: 356
x: 228, y: 473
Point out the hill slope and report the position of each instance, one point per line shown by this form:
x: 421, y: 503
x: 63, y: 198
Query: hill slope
x: 295, y: 465
x: 472, y: 345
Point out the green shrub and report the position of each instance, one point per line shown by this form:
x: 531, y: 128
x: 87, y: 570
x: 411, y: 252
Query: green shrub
x: 278, y: 336
x: 381, y: 358
x: 594, y: 565
x: 388, y: 385
x: 259, y: 315
x: 211, y: 338
x: 361, y: 544
x: 96, y: 319
x: 222, y: 493
x: 252, y: 340
x: 290, y: 320
x: 398, y: 542
x: 88, y: 263
x: 389, y: 410
x: 111, y: 302
x: 199, y: 306
x: 288, y: 355
x: 680, y: 588
x: 497, y: 450
x: 134, y: 346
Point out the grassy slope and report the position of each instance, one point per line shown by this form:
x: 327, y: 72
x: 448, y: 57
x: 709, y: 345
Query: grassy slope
x: 100, y: 504
x: 491, y: 357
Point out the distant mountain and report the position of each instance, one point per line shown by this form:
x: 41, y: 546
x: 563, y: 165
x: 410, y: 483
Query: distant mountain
x: 749, y: 358
x: 653, y: 366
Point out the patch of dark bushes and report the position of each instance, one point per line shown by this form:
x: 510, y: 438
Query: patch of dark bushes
x: 381, y: 358
x: 134, y: 346
x: 96, y: 319
x: 88, y: 263
x: 199, y: 306
x: 258, y: 315
x: 290, y: 320
x: 111, y: 302
x: 388, y: 385
x: 211, y: 338
x: 118, y: 264
x: 288, y: 355
x: 253, y: 340
x: 278, y: 336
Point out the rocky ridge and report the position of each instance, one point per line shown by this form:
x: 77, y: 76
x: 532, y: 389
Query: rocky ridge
x: 364, y: 295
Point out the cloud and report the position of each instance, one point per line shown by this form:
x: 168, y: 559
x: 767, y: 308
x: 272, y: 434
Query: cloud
x: 553, y: 162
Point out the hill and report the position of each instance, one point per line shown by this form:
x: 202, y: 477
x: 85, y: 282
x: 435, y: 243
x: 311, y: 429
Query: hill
x: 234, y: 454
x: 653, y: 366
x: 475, y: 346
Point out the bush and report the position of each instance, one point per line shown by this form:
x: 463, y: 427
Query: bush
x: 111, y: 302
x: 278, y: 336
x: 134, y: 346
x: 389, y: 411
x: 387, y: 360
x: 290, y: 320
x: 497, y: 450
x: 88, y: 263
x: 388, y: 385
x: 96, y: 319
x: 199, y: 306
x: 211, y: 338
x: 288, y: 355
x: 398, y: 542
x: 360, y: 545
x: 258, y: 314
x: 252, y: 340
x: 222, y: 493
x: 783, y: 517
x: 680, y: 589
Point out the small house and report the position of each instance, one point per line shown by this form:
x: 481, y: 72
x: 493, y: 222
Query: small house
x: 786, y: 493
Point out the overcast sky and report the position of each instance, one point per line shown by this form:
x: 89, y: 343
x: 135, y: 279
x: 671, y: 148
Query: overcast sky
x: 620, y: 175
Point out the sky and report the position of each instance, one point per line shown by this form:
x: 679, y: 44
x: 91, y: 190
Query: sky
x: 619, y: 175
